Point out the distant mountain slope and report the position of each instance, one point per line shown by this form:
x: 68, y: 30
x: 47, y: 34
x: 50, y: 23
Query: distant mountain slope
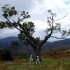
x: 57, y: 44
x: 6, y: 43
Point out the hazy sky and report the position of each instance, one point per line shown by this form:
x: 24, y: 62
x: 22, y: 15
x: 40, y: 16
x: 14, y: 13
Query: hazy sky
x: 38, y: 11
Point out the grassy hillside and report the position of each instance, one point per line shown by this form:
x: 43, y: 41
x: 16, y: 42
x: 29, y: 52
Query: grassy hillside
x: 56, y: 53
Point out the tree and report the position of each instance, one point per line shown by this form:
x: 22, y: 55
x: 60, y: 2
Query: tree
x: 27, y: 28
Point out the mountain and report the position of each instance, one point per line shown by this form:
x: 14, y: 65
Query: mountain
x: 65, y: 44
x: 6, y: 43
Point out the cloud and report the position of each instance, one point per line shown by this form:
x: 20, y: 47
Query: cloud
x: 38, y: 11
x: 20, y: 4
x: 6, y: 32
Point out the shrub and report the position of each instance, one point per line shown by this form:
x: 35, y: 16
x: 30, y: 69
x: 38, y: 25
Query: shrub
x: 5, y: 54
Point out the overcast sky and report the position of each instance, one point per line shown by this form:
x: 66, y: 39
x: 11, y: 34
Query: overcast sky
x: 38, y: 11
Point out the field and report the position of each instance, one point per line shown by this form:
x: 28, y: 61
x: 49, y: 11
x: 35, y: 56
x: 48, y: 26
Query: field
x: 47, y: 64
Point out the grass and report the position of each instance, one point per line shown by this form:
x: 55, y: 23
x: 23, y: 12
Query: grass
x: 47, y: 64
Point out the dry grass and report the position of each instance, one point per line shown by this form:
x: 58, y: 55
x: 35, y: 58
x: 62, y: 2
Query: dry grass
x: 47, y: 64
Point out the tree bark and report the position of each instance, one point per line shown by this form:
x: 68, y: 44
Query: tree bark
x: 37, y: 52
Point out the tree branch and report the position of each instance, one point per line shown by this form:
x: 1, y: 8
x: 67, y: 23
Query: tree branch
x: 46, y: 38
x: 31, y: 43
x: 32, y: 40
x: 57, y: 37
x: 49, y: 35
x: 8, y: 20
x: 60, y: 18
x: 11, y: 23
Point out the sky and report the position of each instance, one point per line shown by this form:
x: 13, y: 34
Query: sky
x: 38, y: 12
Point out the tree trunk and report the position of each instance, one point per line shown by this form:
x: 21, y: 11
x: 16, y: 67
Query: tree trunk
x: 38, y: 53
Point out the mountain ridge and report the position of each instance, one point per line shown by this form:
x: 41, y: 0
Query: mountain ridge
x: 6, y: 43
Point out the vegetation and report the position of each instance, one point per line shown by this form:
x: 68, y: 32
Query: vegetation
x: 48, y: 64
x: 27, y: 28
x: 56, y: 54
x: 5, y: 54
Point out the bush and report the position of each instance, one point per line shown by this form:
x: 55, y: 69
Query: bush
x: 5, y: 54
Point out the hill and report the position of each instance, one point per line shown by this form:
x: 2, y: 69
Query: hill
x: 6, y: 43
x: 65, y: 44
